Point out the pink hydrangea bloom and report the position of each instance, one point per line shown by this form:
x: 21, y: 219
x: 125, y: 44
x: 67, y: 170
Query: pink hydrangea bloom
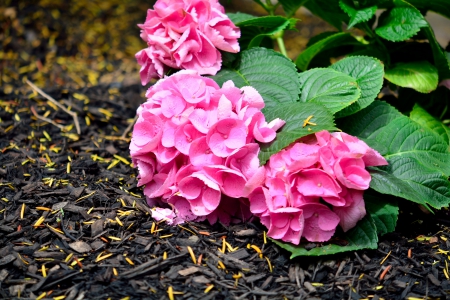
x: 194, y: 149
x: 302, y: 182
x: 185, y: 34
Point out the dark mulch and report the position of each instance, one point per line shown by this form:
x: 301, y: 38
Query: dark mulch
x: 73, y: 224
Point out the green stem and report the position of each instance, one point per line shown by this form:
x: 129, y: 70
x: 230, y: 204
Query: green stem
x: 373, y: 35
x: 280, y: 43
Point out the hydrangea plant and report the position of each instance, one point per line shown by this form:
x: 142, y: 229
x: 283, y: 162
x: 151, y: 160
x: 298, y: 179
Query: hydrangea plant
x: 233, y: 130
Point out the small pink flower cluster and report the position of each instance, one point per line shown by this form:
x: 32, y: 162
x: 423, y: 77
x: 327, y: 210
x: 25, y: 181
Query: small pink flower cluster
x: 185, y: 34
x: 194, y: 145
x: 302, y: 181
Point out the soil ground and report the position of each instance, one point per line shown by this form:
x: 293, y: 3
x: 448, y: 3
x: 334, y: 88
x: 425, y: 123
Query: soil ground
x: 73, y: 223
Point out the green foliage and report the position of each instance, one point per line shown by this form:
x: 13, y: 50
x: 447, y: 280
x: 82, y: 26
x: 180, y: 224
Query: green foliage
x: 368, y: 73
x: 362, y: 236
x: 295, y: 115
x: 408, y: 126
x: 334, y: 89
x: 357, y: 15
x: 384, y: 212
x: 419, y: 75
x: 401, y: 23
x: 270, y: 73
x: 422, y: 117
x: 330, y: 41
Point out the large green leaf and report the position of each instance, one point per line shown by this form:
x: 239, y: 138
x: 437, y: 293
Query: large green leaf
x: 295, y: 115
x: 368, y: 73
x: 419, y: 75
x: 331, y: 41
x: 362, y: 236
x: 334, y: 89
x: 272, y: 74
x: 383, y: 212
x: 421, y: 116
x: 400, y: 24
x: 357, y: 15
x: 402, y: 137
x: 407, y: 178
x: 291, y: 6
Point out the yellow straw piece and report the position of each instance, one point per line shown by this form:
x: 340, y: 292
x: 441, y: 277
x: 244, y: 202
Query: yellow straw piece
x: 119, y: 222
x: 68, y: 257
x: 122, y: 159
x: 386, y: 257
x: 22, y: 211
x: 99, y: 258
x: 170, y: 293
x: 129, y: 261
x: 41, y: 296
x: 269, y: 263
x: 164, y: 255
x: 191, y: 252
x: 44, y: 272
x: 39, y: 221
x: 209, y: 288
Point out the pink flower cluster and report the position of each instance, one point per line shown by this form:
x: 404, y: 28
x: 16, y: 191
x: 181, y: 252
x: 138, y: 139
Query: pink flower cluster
x: 185, y: 34
x: 194, y: 145
x: 304, y: 180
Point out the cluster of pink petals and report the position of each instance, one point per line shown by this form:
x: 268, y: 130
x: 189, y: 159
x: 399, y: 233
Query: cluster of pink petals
x: 195, y: 147
x: 314, y: 185
x: 185, y: 34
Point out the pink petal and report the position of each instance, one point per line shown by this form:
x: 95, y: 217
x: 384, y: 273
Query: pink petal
x: 315, y: 182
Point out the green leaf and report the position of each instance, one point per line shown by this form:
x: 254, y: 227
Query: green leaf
x: 255, y: 29
x: 294, y: 115
x: 368, y: 73
x: 419, y: 75
x: 331, y: 41
x: 333, y: 89
x: 422, y: 117
x: 407, y: 178
x: 362, y: 236
x: 401, y: 24
x: 441, y: 59
x: 328, y: 11
x: 272, y: 74
x: 402, y: 137
x: 439, y: 6
x: 239, y: 17
x: 291, y: 6
x: 383, y: 212
x: 357, y: 15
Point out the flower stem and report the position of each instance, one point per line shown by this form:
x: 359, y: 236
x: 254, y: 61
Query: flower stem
x: 280, y: 43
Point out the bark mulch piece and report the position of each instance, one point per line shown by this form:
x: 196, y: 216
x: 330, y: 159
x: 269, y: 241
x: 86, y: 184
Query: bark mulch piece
x: 74, y: 224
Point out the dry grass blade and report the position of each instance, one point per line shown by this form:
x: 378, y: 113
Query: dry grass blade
x: 124, y: 134
x: 33, y: 110
x: 42, y: 93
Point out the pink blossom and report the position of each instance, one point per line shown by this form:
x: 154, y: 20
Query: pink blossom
x: 313, y: 185
x: 185, y: 35
x: 226, y: 136
x: 351, y: 173
x: 146, y: 166
x: 320, y: 222
x: 163, y: 214
x: 353, y: 210
x: 287, y: 224
x: 193, y: 151
x: 202, y: 193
